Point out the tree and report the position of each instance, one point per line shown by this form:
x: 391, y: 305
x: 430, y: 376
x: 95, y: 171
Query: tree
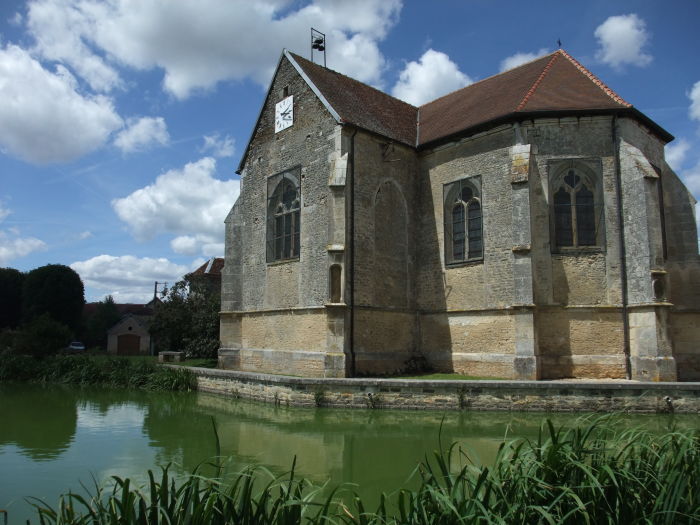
x: 103, y: 318
x: 188, y: 318
x: 55, y: 290
x: 42, y: 336
x: 11, y: 281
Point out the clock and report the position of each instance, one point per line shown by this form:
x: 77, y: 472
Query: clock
x: 284, y: 113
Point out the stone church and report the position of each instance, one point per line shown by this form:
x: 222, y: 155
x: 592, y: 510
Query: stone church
x: 526, y: 226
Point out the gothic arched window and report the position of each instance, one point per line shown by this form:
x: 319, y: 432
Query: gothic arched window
x: 283, y: 217
x: 577, y: 206
x: 463, y: 224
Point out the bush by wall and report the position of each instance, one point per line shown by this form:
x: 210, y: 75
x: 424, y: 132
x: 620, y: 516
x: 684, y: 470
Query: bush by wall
x: 94, y: 370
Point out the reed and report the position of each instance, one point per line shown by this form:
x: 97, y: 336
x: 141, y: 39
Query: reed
x: 586, y: 474
x: 91, y: 370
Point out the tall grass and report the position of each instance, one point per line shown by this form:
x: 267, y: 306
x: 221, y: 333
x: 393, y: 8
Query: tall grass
x: 90, y: 370
x: 587, y: 474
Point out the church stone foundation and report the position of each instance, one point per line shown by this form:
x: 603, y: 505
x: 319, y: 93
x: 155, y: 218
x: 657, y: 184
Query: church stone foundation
x: 268, y: 340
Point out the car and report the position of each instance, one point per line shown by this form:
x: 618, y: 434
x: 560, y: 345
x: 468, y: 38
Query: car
x: 76, y: 346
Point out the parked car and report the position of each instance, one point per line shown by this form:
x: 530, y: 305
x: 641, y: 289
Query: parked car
x: 75, y: 347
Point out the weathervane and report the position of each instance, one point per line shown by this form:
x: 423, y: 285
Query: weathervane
x: 318, y: 42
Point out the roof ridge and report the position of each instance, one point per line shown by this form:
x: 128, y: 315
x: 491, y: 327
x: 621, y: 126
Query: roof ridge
x: 353, y: 79
x: 487, y: 78
x: 537, y: 82
x: 617, y: 98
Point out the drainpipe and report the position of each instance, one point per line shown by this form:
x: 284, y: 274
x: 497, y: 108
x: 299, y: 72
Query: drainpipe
x: 623, y: 251
x: 351, y: 331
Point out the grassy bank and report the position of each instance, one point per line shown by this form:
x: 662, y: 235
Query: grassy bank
x: 95, y: 370
x: 586, y: 474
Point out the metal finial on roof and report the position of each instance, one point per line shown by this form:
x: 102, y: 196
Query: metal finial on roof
x: 318, y: 42
x: 558, y: 43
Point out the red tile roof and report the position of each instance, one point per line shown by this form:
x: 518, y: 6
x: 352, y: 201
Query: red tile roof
x: 554, y: 83
x: 123, y: 309
x: 212, y: 267
x: 362, y: 105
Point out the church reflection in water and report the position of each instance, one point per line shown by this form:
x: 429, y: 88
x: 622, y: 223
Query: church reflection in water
x: 53, y: 438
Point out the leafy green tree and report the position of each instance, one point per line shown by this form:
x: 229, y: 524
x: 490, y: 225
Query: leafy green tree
x: 55, y: 290
x: 103, y: 318
x: 188, y: 318
x: 41, y: 337
x: 10, y: 297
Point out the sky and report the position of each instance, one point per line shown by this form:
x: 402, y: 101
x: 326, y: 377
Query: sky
x: 122, y: 122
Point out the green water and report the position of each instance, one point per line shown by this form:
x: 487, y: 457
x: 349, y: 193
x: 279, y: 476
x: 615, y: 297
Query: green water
x: 52, y: 439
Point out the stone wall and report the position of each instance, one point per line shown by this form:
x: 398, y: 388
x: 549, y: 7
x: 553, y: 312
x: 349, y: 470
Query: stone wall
x: 685, y: 333
x: 475, y: 343
x: 384, y: 215
x: 454, y: 395
x: 581, y: 342
x: 256, y: 286
x: 290, y: 341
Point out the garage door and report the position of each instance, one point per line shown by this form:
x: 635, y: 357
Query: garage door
x: 128, y: 344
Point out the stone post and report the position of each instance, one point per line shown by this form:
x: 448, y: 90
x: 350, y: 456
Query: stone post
x: 526, y: 363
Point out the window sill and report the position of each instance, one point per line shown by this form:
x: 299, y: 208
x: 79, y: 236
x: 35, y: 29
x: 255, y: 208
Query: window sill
x: 459, y: 264
x: 590, y: 250
x: 282, y: 261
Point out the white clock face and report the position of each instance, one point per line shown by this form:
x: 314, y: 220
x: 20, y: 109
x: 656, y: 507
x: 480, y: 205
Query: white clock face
x: 284, y: 113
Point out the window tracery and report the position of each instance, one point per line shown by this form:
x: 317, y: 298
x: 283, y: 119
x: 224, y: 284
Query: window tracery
x: 577, y: 207
x: 283, y: 217
x: 463, y: 221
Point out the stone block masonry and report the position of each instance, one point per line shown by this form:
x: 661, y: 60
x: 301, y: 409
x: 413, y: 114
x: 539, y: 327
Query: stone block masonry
x: 547, y: 396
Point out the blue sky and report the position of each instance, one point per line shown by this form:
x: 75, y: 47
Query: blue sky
x: 122, y: 121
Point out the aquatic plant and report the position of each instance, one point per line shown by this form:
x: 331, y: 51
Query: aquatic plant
x: 91, y: 370
x: 589, y: 473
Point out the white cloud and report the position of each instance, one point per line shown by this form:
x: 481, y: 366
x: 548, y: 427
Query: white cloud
x: 59, y: 28
x: 4, y: 212
x: 43, y: 118
x: 85, y: 235
x: 12, y: 245
x: 142, y: 133
x: 218, y: 146
x: 622, y: 40
x: 232, y: 39
x: 189, y: 202
x: 432, y: 76
x: 16, y: 20
x: 521, y: 58
x: 691, y: 178
x: 198, y: 244
x: 675, y: 153
x: 695, y: 101
x: 127, y: 278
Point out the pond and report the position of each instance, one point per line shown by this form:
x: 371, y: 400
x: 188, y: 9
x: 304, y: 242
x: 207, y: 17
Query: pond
x: 53, y: 439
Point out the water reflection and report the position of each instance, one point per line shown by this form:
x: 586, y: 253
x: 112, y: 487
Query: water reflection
x: 52, y: 439
x: 42, y: 432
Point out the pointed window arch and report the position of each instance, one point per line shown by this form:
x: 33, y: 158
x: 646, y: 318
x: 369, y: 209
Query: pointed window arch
x: 577, y: 206
x: 463, y: 221
x: 283, y: 216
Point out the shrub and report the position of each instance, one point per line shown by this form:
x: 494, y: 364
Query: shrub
x: 88, y: 370
x: 41, y: 337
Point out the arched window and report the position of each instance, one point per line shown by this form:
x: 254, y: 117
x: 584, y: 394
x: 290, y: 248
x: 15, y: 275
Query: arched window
x: 577, y: 206
x: 463, y: 224
x: 283, y: 217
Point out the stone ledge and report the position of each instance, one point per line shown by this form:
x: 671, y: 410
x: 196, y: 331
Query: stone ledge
x: 551, y: 395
